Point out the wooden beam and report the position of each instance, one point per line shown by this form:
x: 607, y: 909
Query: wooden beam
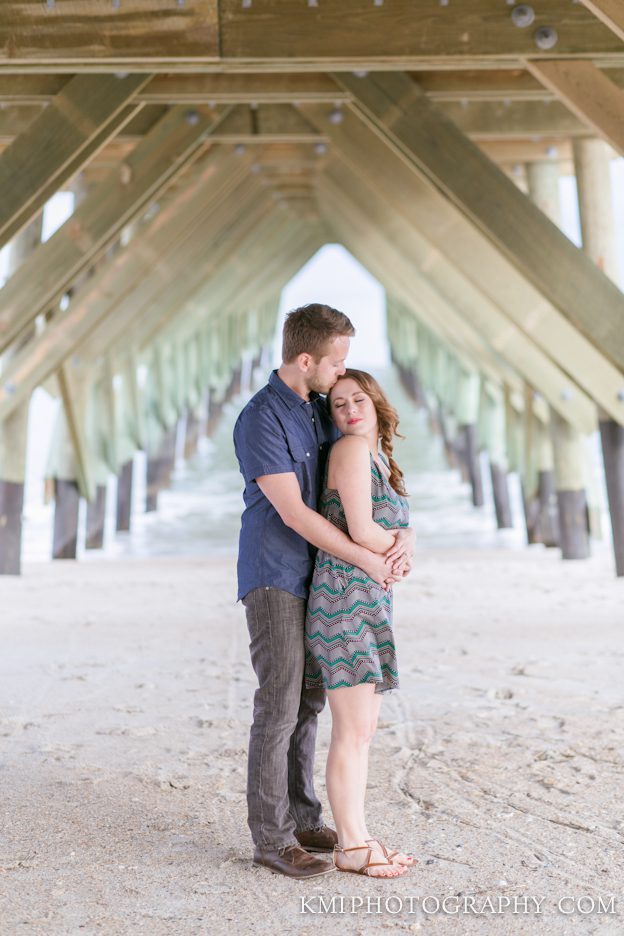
x: 265, y: 35
x: 454, y: 237
x: 79, y: 121
x: 588, y: 93
x: 609, y: 12
x: 167, y: 151
x: 129, y: 286
x: 96, y: 31
x: 480, y: 120
x: 484, y: 84
x: 448, y: 315
x: 436, y: 150
x: 364, y: 33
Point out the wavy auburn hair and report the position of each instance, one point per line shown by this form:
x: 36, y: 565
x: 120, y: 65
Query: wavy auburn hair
x: 387, y: 419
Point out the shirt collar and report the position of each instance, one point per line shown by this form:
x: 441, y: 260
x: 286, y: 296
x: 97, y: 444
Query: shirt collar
x: 287, y: 394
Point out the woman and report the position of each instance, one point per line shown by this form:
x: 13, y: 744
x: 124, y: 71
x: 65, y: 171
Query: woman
x: 349, y: 643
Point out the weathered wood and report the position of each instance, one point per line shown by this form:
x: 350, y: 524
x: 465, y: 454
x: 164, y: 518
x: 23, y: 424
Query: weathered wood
x: 14, y: 430
x: 126, y: 286
x: 11, y: 505
x: 66, y: 507
x: 588, y: 93
x: 96, y: 515
x: 569, y: 454
x: 124, y: 497
x: 435, y: 149
x: 360, y: 35
x: 480, y: 316
x: 592, y: 162
x: 90, y: 110
x: 95, y: 32
x: 173, y: 144
x: 592, y: 166
x: 491, y: 84
x: 610, y: 12
x: 500, y: 492
x: 256, y: 123
x: 473, y: 463
x: 454, y: 240
x: 612, y: 439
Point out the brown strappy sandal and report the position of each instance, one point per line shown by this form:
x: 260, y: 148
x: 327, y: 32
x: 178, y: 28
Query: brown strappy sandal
x: 363, y: 869
x: 390, y: 855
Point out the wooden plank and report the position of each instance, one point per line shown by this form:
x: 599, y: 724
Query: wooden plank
x: 79, y: 121
x: 98, y: 31
x: 480, y: 120
x: 167, y: 151
x: 74, y: 389
x: 452, y: 236
x: 610, y: 12
x: 491, y: 84
x: 436, y: 150
x: 588, y: 93
x: 356, y: 31
x: 498, y: 120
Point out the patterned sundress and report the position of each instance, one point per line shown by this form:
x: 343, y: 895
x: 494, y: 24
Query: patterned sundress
x: 348, y: 631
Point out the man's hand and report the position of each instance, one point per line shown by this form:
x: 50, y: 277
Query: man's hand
x: 402, y: 551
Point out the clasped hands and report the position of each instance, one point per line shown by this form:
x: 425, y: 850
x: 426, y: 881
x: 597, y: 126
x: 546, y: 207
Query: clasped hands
x: 399, y: 556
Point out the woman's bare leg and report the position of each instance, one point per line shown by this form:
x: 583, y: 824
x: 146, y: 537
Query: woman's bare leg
x: 354, y: 718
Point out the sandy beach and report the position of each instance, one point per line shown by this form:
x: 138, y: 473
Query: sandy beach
x: 126, y: 704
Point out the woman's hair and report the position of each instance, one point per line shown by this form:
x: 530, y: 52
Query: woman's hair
x: 310, y: 328
x: 387, y: 419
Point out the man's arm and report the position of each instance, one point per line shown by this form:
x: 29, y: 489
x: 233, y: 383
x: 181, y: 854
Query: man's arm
x: 284, y: 493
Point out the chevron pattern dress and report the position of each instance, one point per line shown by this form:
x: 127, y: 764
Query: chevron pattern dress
x: 348, y: 632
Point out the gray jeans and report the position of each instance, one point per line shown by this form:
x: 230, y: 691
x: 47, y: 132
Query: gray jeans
x: 280, y: 788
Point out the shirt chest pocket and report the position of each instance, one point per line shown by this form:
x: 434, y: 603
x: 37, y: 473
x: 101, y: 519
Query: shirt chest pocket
x: 297, y: 449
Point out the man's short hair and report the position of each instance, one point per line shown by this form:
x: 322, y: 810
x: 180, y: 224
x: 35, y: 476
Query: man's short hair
x: 310, y: 328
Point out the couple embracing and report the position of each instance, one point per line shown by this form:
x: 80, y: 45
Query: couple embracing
x: 324, y: 535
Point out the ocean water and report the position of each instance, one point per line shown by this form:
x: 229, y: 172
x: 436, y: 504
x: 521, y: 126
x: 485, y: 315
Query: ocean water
x: 199, y: 515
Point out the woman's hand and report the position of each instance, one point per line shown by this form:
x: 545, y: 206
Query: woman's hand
x: 401, y: 554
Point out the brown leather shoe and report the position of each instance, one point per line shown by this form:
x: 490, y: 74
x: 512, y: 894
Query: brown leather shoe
x: 293, y: 862
x: 317, y: 840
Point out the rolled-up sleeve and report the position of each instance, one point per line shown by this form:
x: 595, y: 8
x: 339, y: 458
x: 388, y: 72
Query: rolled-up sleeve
x: 260, y: 444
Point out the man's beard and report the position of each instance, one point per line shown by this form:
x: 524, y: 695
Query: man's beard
x: 314, y: 383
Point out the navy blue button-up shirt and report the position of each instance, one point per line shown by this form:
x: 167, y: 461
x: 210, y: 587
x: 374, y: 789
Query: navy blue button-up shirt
x: 279, y: 431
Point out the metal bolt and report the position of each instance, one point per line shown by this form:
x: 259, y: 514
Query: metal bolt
x: 50, y: 3
x: 116, y: 4
x: 240, y: 148
x: 360, y: 74
x: 312, y: 3
x: 551, y: 151
x: 320, y: 149
x: 121, y: 75
x: 567, y: 394
x: 620, y: 395
x: 378, y: 2
x: 246, y: 4
x: 522, y: 16
x: 10, y: 388
x: 335, y: 116
x: 545, y: 37
x: 192, y: 118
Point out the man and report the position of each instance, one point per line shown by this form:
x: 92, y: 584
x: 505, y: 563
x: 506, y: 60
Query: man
x: 281, y: 439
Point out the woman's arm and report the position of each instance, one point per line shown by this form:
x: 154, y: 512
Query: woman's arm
x: 350, y: 460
